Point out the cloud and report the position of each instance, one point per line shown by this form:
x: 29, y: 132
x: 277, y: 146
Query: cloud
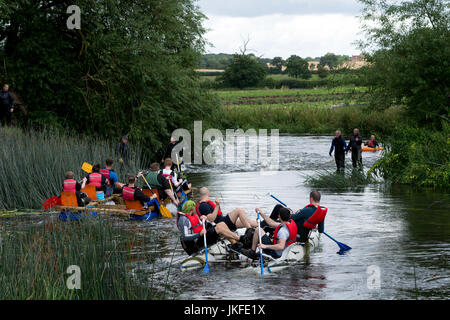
x: 255, y: 8
x: 283, y: 35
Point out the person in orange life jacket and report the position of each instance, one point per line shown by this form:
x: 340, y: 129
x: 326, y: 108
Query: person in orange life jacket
x: 97, y: 179
x: 158, y: 181
x: 192, y: 231
x: 285, y: 235
x: 310, y: 217
x: 372, y: 143
x: 113, y: 184
x: 171, y: 176
x: 71, y: 185
x: 234, y: 220
x: 131, y: 192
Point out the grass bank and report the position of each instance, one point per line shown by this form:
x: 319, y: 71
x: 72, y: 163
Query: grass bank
x: 35, y: 261
x: 314, y: 111
x: 33, y: 164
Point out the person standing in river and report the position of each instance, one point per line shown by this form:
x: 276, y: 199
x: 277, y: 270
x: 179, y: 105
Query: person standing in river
x: 340, y: 146
x: 6, y: 105
x: 354, y: 145
x: 168, y: 154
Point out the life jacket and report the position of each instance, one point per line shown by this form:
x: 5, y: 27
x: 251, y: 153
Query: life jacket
x: 292, y: 226
x: 212, y: 204
x: 317, y: 217
x: 70, y: 185
x: 168, y: 176
x: 128, y: 193
x: 95, y: 179
x: 152, y: 179
x: 371, y: 144
x: 196, y: 225
x: 106, y: 172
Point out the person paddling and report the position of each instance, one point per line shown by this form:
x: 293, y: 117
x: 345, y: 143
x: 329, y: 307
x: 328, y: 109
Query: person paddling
x: 171, y: 176
x: 73, y: 186
x: 234, y: 220
x: 310, y: 217
x: 192, y: 230
x: 159, y: 182
x: 339, y: 145
x: 355, y: 146
x: 97, y: 179
x: 111, y: 176
x: 285, y: 235
x: 131, y: 192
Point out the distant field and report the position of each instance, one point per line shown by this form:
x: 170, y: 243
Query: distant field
x: 273, y: 76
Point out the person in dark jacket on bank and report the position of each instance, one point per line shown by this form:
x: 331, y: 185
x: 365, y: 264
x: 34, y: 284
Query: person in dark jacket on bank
x: 340, y: 146
x: 354, y: 145
x: 6, y: 105
x: 123, y: 150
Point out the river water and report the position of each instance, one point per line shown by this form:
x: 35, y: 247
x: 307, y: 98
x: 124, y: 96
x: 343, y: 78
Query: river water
x: 400, y: 236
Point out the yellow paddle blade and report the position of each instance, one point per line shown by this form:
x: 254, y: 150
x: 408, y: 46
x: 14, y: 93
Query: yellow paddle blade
x: 165, y: 212
x: 86, y: 167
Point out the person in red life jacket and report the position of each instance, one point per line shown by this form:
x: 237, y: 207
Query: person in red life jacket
x: 171, y: 176
x: 234, y: 220
x: 71, y: 185
x: 131, y: 192
x: 285, y: 235
x: 113, y: 185
x: 97, y: 179
x: 310, y: 217
x: 372, y: 143
x: 192, y: 230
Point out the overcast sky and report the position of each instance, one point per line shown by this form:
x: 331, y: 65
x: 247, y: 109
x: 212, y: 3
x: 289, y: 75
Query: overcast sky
x: 282, y: 27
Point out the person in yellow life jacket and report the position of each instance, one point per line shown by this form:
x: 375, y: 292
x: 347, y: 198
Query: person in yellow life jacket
x: 192, y: 231
x: 97, y: 179
x: 285, y: 235
x: 131, y: 192
x: 73, y: 186
x: 234, y: 220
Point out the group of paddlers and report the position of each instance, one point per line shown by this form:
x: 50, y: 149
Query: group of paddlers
x: 341, y: 148
x: 106, y: 183
x: 281, y: 229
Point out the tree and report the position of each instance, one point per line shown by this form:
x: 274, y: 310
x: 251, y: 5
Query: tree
x: 411, y: 63
x: 245, y: 71
x: 298, y: 67
x: 322, y: 72
x: 129, y: 69
x: 277, y: 65
x: 330, y: 59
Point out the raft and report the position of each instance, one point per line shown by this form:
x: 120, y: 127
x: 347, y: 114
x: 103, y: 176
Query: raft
x: 366, y: 148
x: 220, y: 253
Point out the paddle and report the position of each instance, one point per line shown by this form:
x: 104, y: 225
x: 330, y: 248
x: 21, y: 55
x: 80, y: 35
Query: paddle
x: 206, y: 268
x: 260, y: 249
x: 178, y: 164
x: 342, y: 246
x: 162, y: 209
x: 50, y: 202
x: 86, y: 167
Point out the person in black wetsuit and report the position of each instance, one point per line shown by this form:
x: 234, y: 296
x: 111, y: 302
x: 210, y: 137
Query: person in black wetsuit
x: 354, y: 145
x: 168, y: 154
x: 340, y: 146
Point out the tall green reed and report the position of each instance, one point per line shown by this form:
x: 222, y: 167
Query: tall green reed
x: 34, y: 261
x: 33, y: 163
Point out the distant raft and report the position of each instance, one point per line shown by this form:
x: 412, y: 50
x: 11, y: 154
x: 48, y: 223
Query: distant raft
x: 365, y: 148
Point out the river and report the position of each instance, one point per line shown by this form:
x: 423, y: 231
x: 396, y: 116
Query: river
x: 400, y: 236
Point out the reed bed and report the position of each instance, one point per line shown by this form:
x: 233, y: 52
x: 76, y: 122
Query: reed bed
x: 331, y: 179
x: 35, y: 258
x: 33, y: 164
